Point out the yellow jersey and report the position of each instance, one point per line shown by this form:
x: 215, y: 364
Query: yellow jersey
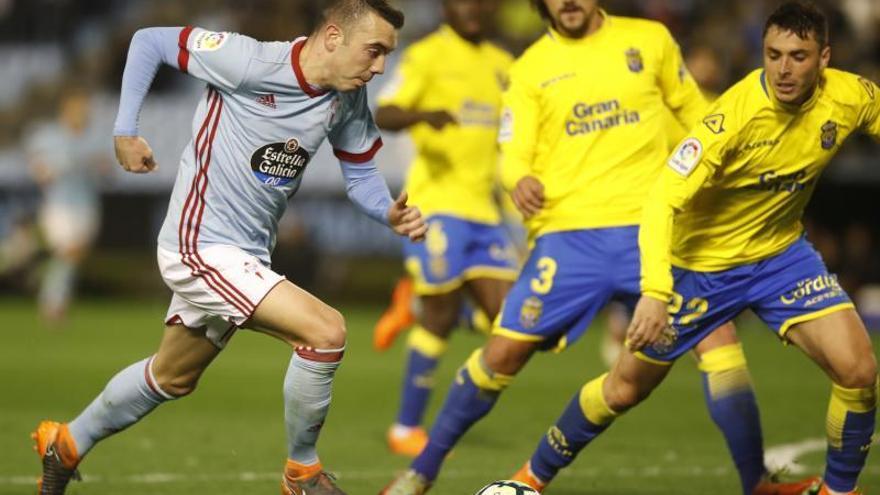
x: 586, y: 118
x: 455, y: 169
x: 734, y: 191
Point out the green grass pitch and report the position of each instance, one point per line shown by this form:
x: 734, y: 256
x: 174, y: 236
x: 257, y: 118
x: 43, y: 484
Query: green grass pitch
x: 229, y: 438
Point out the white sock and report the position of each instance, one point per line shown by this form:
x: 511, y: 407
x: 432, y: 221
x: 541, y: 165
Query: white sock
x: 307, y: 392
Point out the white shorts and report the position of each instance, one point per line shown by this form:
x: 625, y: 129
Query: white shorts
x: 68, y: 227
x: 218, y: 288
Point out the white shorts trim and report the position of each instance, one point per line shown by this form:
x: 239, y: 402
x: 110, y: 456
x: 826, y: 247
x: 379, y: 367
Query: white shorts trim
x: 217, y: 288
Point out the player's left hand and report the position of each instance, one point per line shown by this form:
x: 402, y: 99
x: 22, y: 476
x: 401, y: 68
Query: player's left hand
x: 407, y: 220
x: 647, y: 325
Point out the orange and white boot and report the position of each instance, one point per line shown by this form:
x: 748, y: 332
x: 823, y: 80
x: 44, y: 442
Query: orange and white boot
x: 398, y: 317
x: 407, y: 442
x: 526, y: 476
x: 59, y: 456
x: 772, y: 486
x: 300, y: 479
x: 824, y: 490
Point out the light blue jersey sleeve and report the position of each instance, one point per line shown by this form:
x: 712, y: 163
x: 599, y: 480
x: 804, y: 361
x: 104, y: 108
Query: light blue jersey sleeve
x: 366, y: 188
x: 354, y: 135
x: 221, y: 59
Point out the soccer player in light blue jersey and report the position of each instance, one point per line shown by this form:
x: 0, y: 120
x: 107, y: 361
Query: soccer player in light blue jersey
x: 266, y: 109
x: 66, y: 160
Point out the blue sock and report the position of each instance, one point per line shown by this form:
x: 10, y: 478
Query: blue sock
x: 466, y: 403
x: 732, y: 406
x: 586, y: 416
x: 425, y: 350
x: 850, y: 424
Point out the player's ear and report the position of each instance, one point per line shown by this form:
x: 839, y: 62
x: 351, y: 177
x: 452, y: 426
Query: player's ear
x: 333, y: 37
x: 824, y: 57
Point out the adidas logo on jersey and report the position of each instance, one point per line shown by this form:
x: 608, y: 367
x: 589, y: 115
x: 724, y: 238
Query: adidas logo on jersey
x: 267, y: 100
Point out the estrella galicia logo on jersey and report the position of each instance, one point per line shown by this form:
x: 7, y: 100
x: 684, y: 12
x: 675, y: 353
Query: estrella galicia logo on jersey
x: 829, y: 135
x: 715, y: 123
x: 530, y: 312
x: 634, y: 60
x: 276, y: 164
x: 814, y: 290
x: 869, y: 86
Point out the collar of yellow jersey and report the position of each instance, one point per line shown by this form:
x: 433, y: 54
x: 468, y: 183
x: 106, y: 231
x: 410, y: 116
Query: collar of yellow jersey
x: 448, y: 31
x: 558, y: 37
x: 785, y: 107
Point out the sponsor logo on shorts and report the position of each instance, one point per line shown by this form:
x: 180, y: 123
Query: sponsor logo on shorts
x: 812, y: 291
x: 438, y: 266
x: 530, y: 312
x: 277, y: 164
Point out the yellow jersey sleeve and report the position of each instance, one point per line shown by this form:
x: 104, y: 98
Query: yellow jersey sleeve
x: 409, y: 82
x: 681, y: 93
x: 691, y: 165
x: 518, y: 132
x: 869, y: 117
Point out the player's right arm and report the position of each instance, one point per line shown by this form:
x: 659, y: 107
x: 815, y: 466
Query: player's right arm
x: 399, y: 99
x: 518, y: 135
x: 220, y: 59
x: 692, y: 164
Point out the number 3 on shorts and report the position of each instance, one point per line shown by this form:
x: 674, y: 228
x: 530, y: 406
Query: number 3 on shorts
x: 546, y: 271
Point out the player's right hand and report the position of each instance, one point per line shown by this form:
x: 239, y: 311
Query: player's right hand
x: 648, y: 322
x: 134, y: 154
x: 528, y: 196
x: 438, y: 119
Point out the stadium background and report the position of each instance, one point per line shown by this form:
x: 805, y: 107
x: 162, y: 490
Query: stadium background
x: 226, y: 438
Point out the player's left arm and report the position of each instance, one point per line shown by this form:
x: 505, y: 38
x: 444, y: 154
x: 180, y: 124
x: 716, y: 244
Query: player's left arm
x: 869, y: 117
x: 681, y: 94
x: 355, y: 140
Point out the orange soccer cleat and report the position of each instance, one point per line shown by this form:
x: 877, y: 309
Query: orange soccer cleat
x: 409, y: 444
x: 825, y: 491
x: 526, y: 476
x: 772, y: 486
x: 300, y: 479
x: 59, y: 456
x: 397, y: 318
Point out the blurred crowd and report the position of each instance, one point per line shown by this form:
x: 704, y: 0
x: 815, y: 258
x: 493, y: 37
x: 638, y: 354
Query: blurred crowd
x: 50, y: 46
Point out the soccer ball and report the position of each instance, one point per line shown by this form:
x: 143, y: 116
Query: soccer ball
x: 506, y: 487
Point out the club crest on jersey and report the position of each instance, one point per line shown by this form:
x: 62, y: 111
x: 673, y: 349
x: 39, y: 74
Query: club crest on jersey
x: 829, y: 135
x: 530, y: 312
x: 277, y: 164
x: 634, y: 60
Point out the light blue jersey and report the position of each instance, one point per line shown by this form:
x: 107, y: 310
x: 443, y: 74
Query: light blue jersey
x: 72, y: 162
x: 253, y: 134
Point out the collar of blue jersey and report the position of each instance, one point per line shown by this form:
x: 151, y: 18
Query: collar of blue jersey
x: 310, y: 90
x: 558, y: 37
x: 778, y: 105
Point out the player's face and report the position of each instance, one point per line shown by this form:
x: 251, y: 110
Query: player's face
x: 793, y: 65
x: 572, y: 17
x: 361, y: 54
x: 469, y: 18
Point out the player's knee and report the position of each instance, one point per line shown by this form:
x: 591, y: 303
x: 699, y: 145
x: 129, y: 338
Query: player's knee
x: 484, y: 376
x: 503, y: 355
x: 859, y: 373
x: 330, y: 330
x: 622, y: 395
x: 177, y: 385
